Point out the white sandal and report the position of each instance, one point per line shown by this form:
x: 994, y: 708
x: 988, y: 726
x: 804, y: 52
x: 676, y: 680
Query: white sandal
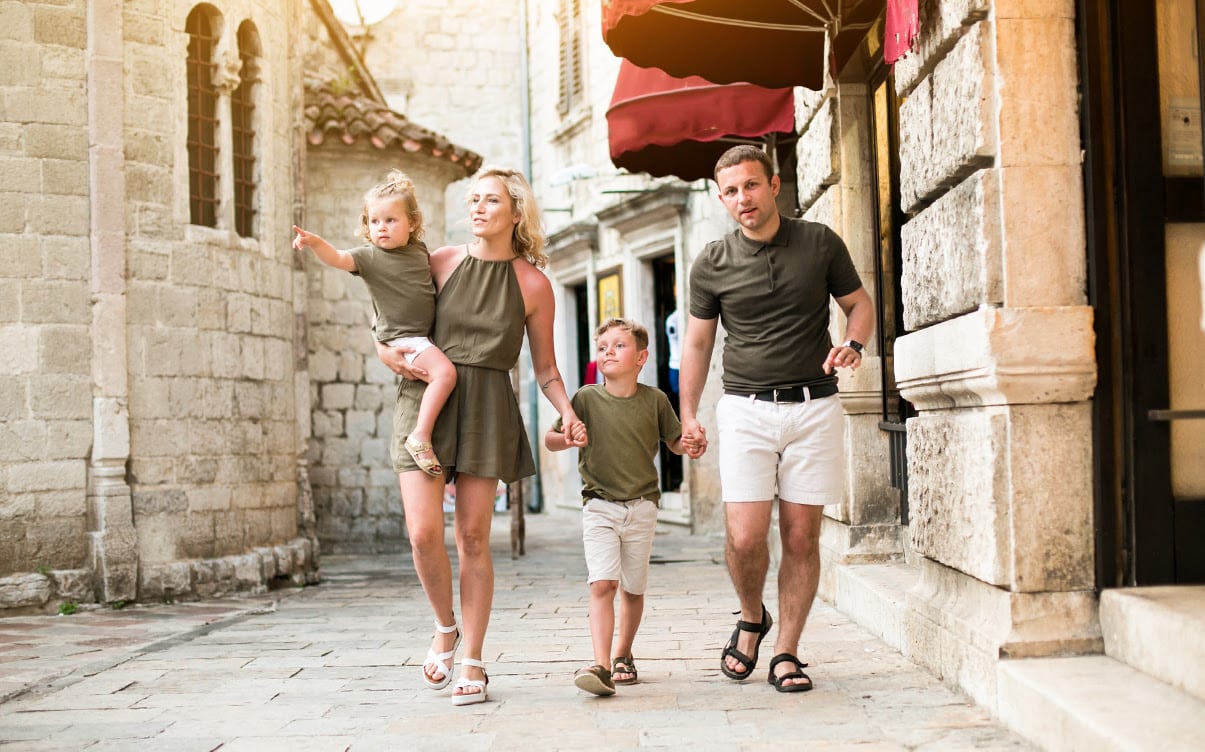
x: 437, y: 659
x: 462, y: 683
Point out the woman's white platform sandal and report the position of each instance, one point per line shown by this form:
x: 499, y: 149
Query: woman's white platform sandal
x: 461, y: 683
x: 442, y: 662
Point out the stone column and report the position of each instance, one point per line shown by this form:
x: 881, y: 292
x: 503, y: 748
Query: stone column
x: 112, y: 550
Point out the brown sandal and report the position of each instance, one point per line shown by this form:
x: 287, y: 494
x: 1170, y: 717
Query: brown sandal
x: 595, y: 679
x: 623, y: 664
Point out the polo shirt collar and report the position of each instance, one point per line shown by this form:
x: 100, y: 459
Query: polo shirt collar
x: 781, y: 238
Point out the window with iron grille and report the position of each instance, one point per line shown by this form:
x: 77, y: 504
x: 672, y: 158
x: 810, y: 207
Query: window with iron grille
x: 202, y: 118
x: 569, y: 27
x: 242, y: 121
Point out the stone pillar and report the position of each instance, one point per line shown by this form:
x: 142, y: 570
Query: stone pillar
x: 112, y: 550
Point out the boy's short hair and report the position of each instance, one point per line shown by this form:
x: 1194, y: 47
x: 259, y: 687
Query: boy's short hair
x: 638, y: 332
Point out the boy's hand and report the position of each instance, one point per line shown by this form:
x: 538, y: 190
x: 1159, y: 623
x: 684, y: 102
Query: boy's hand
x: 575, y: 432
x: 694, y: 439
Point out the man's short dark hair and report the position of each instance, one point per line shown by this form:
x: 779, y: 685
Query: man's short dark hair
x: 744, y: 153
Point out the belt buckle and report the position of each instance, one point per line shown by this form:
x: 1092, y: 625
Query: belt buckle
x: 776, y: 392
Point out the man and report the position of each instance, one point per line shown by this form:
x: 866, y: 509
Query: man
x: 780, y: 422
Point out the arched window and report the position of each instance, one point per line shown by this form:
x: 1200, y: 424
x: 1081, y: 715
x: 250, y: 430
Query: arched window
x: 242, y: 122
x: 202, y: 28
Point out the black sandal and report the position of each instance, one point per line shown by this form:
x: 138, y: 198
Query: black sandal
x: 777, y: 681
x: 730, y: 649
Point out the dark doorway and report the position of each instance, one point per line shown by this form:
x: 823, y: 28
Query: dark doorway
x: 582, y: 334
x: 665, y: 302
x: 1143, y: 197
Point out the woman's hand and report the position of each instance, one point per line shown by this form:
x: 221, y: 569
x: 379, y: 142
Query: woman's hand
x: 394, y: 359
x: 574, y: 430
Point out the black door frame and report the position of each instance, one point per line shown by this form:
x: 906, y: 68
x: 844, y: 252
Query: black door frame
x: 1127, y: 205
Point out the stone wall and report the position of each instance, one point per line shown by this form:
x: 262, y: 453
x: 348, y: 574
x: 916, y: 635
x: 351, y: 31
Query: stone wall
x: 149, y: 442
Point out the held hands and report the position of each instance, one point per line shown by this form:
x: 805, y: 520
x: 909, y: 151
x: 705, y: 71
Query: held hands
x: 842, y: 357
x: 574, y: 431
x: 694, y: 439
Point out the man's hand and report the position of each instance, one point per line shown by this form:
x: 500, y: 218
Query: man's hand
x: 842, y: 357
x: 694, y: 439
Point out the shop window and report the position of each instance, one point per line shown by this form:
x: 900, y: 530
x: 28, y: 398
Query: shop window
x: 202, y: 26
x: 242, y: 120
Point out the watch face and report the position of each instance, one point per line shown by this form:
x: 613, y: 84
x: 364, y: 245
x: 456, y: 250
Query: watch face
x: 855, y: 346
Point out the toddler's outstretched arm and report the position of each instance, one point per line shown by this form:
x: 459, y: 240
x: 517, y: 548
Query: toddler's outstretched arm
x: 325, y: 252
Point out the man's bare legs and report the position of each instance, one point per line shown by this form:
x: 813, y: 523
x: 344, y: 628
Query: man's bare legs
x: 798, y: 577
x: 747, y: 526
x: 422, y: 500
x: 474, y: 513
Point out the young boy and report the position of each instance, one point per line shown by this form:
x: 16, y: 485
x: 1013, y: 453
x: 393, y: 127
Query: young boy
x: 626, y: 421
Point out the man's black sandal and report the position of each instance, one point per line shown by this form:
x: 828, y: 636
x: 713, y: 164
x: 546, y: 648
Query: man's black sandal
x: 777, y: 681
x: 730, y: 649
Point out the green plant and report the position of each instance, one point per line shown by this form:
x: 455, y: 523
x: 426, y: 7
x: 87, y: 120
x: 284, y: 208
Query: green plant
x: 117, y: 605
x: 66, y: 608
x: 43, y: 570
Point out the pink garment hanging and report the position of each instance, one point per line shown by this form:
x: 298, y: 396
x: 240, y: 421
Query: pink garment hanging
x: 900, y: 29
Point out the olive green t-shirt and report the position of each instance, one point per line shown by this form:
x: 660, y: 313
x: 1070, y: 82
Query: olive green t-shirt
x: 773, y: 301
x: 399, y: 282
x: 624, y: 432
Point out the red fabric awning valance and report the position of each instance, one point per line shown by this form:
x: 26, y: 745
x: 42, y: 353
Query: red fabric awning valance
x: 680, y: 126
x: 772, y: 43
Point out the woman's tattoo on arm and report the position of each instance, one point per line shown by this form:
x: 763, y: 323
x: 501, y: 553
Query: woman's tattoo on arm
x: 548, y: 383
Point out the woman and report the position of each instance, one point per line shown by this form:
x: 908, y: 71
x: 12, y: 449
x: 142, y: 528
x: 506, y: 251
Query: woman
x: 490, y: 291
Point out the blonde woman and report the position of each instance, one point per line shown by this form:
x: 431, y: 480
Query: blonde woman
x: 490, y: 292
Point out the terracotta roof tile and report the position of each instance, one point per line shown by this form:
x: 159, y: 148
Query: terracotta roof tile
x: 349, y: 118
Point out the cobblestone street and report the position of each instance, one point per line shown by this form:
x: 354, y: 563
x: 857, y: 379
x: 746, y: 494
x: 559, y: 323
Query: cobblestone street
x: 336, y: 667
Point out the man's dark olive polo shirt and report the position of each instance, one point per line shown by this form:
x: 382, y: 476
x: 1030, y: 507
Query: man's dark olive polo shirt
x: 773, y: 299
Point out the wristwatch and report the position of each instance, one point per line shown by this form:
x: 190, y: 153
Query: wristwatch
x: 854, y: 345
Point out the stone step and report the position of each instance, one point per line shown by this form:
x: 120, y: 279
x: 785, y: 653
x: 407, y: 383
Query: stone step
x: 1159, y: 631
x: 1095, y: 703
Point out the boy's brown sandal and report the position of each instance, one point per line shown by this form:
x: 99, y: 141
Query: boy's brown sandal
x: 623, y: 664
x: 595, y: 679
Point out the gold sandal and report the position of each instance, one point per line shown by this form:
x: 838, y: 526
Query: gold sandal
x: 430, y: 466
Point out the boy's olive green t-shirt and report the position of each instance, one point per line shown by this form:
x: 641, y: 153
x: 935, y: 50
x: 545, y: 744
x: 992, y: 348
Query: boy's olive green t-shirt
x: 624, y: 434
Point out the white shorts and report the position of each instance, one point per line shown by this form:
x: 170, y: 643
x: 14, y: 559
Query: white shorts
x: 618, y: 539
x: 789, y: 450
x: 419, y: 344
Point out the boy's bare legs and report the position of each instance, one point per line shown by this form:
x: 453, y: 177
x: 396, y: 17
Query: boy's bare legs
x: 631, y: 611
x: 602, y: 619
x: 474, y: 513
x: 747, y: 553
x: 798, y: 576
x: 441, y: 380
x: 422, y: 500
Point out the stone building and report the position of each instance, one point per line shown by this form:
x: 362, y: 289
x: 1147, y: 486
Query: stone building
x: 166, y: 344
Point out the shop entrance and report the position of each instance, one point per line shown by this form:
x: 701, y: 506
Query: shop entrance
x: 1145, y: 201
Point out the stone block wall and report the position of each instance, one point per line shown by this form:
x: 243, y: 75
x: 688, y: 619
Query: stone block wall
x: 356, y: 497
x: 149, y: 441
x: 45, y: 311
x: 998, y: 358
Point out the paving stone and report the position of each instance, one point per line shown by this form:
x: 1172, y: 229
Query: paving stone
x: 337, y: 667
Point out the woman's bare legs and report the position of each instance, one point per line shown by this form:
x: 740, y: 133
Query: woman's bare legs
x: 474, y: 514
x: 422, y: 500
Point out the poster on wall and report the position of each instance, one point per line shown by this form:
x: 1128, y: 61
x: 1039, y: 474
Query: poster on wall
x: 610, y: 296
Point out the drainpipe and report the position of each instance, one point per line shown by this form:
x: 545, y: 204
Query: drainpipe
x: 536, y: 502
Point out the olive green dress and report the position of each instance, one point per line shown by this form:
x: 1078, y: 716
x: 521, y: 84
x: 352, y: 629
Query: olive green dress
x: 480, y: 319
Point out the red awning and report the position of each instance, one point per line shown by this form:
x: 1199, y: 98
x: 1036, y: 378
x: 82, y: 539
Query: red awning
x: 680, y: 126
x: 772, y: 43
